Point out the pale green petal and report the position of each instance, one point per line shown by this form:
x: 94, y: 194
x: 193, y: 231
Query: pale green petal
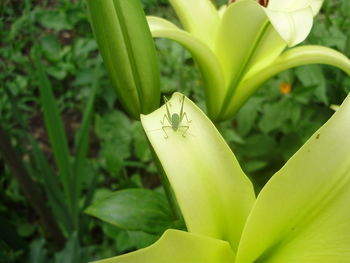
x: 245, y: 44
x: 207, y: 62
x: 292, y: 5
x: 198, y: 17
x: 293, y: 26
x: 292, y: 58
x: 302, y: 215
x: 179, y: 247
x: 213, y: 193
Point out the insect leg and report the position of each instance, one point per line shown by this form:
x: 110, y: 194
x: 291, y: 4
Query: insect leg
x: 167, y: 110
x: 185, y: 130
x: 185, y: 115
x: 165, y: 117
x: 166, y: 101
x: 182, y: 109
x: 166, y: 134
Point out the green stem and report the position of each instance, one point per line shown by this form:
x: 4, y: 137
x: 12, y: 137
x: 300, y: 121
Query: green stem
x: 31, y: 191
x: 292, y: 58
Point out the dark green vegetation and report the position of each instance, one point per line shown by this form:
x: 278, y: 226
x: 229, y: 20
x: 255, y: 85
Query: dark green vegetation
x: 60, y: 114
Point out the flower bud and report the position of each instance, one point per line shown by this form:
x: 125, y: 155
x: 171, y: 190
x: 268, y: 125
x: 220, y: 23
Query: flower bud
x: 128, y: 51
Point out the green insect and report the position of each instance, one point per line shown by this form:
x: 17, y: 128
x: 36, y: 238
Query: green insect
x: 175, y: 119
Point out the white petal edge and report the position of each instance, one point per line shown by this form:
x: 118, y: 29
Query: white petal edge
x: 293, y: 26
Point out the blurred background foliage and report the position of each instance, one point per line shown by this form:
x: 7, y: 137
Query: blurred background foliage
x: 265, y: 133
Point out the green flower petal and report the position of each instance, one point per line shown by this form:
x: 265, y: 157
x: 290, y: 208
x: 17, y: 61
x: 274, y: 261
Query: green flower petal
x: 213, y: 193
x: 238, y: 34
x: 198, y: 17
x: 244, y: 44
x: 302, y: 215
x: 177, y: 246
x: 208, y: 64
x: 291, y: 58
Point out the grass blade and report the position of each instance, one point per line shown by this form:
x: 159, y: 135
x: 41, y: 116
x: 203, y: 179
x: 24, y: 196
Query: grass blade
x: 55, y: 130
x: 82, y: 140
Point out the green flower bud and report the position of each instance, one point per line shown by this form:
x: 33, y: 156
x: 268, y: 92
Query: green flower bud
x: 128, y: 51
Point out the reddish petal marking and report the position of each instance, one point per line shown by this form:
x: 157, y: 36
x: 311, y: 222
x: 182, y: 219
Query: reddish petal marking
x: 264, y: 2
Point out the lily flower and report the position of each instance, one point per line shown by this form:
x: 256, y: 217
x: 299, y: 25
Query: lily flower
x: 301, y: 215
x: 243, y: 44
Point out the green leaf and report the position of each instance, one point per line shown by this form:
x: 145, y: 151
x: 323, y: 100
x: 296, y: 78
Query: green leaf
x: 57, y: 20
x: 275, y: 115
x: 141, y: 239
x: 55, y: 130
x: 134, y: 209
x: 112, y: 139
x: 177, y: 246
x: 247, y: 115
x: 302, y: 214
x: 82, y: 144
x: 38, y: 253
x: 51, y: 182
x: 312, y: 75
x: 127, y: 47
x: 72, y: 252
x: 213, y: 193
x: 51, y: 47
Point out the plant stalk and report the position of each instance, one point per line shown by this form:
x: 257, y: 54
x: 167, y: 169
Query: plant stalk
x: 31, y: 191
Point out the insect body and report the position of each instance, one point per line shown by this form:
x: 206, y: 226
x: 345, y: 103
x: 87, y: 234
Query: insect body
x: 175, y: 120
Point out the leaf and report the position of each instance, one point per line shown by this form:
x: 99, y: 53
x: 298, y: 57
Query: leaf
x: 82, y: 146
x: 254, y: 165
x: 335, y: 38
x: 55, y: 130
x: 51, y: 182
x: 57, y: 20
x: 134, y: 209
x: 38, y: 252
x: 178, y: 246
x: 275, y: 114
x: 51, y: 47
x: 142, y: 239
x: 115, y: 143
x: 258, y: 146
x: 72, y: 252
x: 312, y: 75
x: 247, y: 115
x: 208, y: 182
x: 302, y: 214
